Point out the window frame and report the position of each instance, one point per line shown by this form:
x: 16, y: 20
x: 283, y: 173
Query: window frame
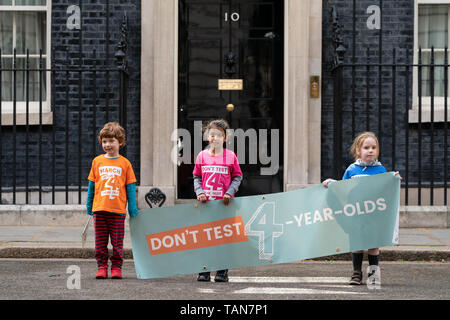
x: 439, y: 101
x: 34, y: 106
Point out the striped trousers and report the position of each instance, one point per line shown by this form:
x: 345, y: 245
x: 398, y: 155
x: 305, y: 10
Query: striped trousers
x: 109, y: 225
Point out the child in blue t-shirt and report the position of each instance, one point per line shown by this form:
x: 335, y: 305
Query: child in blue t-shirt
x: 365, y: 150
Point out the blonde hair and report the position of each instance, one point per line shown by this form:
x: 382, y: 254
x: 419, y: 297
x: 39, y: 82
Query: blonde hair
x: 358, y: 142
x: 113, y: 130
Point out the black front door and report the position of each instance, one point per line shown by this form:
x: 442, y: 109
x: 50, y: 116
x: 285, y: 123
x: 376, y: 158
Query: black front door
x: 234, y: 39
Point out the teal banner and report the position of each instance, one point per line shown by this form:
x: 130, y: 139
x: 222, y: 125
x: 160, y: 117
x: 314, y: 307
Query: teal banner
x: 350, y: 215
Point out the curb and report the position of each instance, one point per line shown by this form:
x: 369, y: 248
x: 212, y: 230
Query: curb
x: 80, y: 253
x: 398, y: 255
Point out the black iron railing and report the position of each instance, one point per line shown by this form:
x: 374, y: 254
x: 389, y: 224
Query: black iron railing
x: 397, y: 100
x: 52, y: 155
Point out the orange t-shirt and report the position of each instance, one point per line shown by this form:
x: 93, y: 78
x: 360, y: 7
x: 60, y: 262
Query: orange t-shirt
x: 111, y: 176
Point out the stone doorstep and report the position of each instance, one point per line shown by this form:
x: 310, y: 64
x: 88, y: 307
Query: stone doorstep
x: 424, y: 217
x: 75, y: 215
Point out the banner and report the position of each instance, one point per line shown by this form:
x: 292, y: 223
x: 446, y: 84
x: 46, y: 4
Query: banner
x: 350, y: 215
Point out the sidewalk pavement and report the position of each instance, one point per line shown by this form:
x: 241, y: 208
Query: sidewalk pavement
x: 54, y: 242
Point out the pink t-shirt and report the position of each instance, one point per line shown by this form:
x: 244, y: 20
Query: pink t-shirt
x: 216, y: 172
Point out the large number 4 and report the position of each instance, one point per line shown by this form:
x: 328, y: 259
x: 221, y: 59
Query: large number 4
x: 262, y: 225
x: 213, y: 183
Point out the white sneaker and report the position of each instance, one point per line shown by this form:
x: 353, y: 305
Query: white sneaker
x: 373, y: 277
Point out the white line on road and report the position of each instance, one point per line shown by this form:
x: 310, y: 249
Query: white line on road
x: 269, y: 290
x: 325, y: 282
x: 289, y: 280
x: 273, y: 290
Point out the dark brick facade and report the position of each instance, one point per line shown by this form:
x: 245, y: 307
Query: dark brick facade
x: 65, y: 44
x: 397, y: 33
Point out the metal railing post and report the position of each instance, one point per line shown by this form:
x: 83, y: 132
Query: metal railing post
x: 337, y: 72
x: 122, y: 65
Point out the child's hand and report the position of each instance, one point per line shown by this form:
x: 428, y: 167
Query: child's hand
x: 226, y: 199
x: 202, y: 198
x: 326, y: 182
x: 398, y: 174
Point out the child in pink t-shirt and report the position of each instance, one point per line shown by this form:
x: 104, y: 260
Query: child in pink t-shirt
x: 217, y: 175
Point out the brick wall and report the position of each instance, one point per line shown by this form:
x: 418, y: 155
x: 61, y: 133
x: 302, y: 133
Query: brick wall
x: 397, y: 33
x: 66, y: 46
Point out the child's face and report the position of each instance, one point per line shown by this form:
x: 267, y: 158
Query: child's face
x: 369, y: 150
x: 216, y: 137
x: 111, y: 146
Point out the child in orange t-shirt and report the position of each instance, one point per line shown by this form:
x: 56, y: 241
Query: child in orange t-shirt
x: 112, y: 184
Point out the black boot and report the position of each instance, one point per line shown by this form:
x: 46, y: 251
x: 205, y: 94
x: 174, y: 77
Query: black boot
x: 221, y: 276
x: 204, y: 276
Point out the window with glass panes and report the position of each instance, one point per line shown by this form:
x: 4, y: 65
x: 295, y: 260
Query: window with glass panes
x: 24, y: 28
x: 433, y: 22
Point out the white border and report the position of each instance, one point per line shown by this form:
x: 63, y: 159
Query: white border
x: 426, y: 101
x: 7, y: 106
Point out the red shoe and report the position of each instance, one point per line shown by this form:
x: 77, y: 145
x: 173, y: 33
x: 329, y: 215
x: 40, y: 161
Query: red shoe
x: 116, y: 273
x: 102, y: 273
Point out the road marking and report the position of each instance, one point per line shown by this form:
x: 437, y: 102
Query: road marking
x: 273, y: 290
x: 268, y: 290
x: 41, y: 233
x: 325, y: 282
x: 207, y: 291
x: 289, y: 279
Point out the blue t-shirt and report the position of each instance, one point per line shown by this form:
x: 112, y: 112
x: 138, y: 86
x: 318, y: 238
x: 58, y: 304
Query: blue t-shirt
x: 357, y: 170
